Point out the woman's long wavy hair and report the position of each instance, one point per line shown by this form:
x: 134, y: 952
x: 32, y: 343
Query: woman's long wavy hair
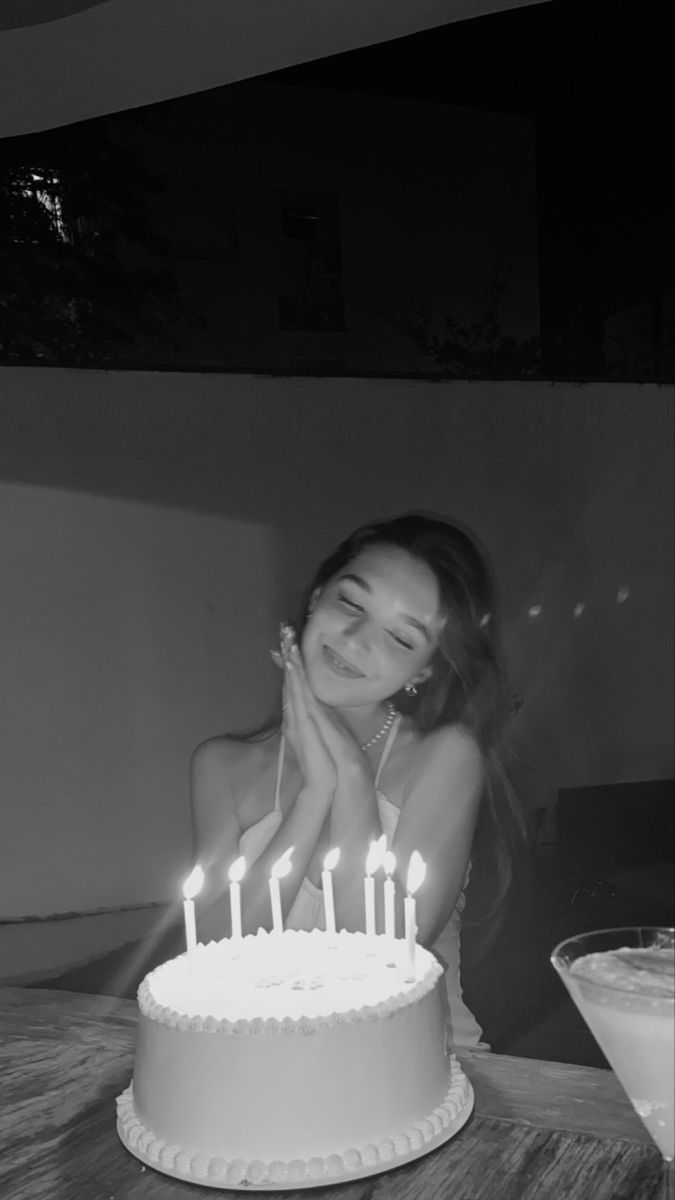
x: 465, y: 686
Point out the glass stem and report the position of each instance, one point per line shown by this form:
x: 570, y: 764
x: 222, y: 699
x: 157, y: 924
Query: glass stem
x: 668, y: 1186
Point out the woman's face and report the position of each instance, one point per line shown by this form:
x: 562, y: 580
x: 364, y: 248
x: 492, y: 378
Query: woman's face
x: 372, y: 629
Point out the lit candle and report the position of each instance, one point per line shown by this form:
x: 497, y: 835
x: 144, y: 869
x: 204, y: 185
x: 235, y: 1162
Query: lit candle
x: 417, y: 869
x: 281, y: 867
x: 235, y: 875
x: 389, y: 906
x: 191, y: 888
x: 329, y: 864
x: 376, y: 853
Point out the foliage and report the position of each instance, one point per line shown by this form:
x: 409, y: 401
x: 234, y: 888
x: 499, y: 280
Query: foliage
x: 84, y: 280
x: 476, y: 350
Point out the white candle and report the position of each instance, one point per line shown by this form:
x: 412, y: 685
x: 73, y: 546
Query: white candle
x: 281, y: 867
x: 410, y: 937
x: 369, y: 896
x: 235, y: 875
x: 417, y: 869
x: 329, y: 864
x: 192, y: 886
x: 376, y: 853
x: 389, y: 906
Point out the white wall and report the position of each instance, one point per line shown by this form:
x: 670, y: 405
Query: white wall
x: 129, y: 633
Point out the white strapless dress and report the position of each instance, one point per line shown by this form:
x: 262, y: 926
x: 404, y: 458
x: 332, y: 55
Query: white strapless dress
x: 307, y: 909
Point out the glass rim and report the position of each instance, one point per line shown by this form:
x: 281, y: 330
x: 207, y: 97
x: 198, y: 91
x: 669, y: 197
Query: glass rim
x: 558, y: 964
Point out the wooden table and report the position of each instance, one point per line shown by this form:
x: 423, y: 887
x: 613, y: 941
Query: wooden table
x: 539, y: 1129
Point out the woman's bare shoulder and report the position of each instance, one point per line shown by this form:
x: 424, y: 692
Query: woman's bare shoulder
x: 224, y: 755
x: 222, y: 770
x: 448, y: 762
x: 449, y: 744
x: 216, y: 750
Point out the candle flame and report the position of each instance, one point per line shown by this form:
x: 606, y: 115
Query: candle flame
x: 376, y: 853
x: 283, y: 865
x: 330, y: 862
x: 417, y: 869
x: 194, y: 883
x: 237, y: 870
x: 389, y: 863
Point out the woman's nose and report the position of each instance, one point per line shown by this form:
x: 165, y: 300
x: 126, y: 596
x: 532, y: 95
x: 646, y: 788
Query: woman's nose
x: 357, y: 632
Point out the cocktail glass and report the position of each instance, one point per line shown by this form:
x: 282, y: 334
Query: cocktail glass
x: 621, y: 980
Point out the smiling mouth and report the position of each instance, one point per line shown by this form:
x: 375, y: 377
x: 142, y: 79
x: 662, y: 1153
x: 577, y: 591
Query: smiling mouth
x: 340, y: 665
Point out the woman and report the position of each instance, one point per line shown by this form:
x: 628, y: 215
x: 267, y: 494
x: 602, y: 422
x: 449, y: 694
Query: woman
x: 391, y: 706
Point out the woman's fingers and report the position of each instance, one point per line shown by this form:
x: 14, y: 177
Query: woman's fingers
x: 308, y: 740
x: 307, y: 711
x: 299, y: 697
x: 298, y: 718
x: 336, y: 736
x: 309, y: 699
x: 298, y: 670
x: 290, y: 697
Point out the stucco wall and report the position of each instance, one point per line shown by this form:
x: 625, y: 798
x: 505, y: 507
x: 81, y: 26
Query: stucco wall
x: 129, y: 633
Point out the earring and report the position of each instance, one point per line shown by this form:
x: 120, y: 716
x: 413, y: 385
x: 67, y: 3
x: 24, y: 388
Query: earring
x: 410, y: 689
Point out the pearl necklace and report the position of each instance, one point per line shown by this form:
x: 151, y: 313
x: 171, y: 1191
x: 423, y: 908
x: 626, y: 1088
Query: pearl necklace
x: 388, y: 722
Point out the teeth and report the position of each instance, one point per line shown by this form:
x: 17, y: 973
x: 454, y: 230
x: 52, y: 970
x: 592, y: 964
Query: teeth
x: 340, y: 665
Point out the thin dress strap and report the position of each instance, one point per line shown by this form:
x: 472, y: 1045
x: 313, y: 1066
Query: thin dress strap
x: 387, y: 747
x: 280, y: 768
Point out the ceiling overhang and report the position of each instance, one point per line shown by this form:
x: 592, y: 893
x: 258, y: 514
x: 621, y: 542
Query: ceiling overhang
x: 63, y: 61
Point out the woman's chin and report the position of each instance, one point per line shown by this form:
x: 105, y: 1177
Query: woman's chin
x: 333, y: 691
x: 331, y: 695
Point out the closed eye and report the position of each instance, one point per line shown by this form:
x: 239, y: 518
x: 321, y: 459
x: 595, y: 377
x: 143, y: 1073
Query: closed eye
x: 359, y: 608
x: 402, y: 642
x: 350, y: 603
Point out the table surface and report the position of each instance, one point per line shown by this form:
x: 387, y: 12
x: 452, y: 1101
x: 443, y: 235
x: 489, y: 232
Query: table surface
x: 539, y: 1129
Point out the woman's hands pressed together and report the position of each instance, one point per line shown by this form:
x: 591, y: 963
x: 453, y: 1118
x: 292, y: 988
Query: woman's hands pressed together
x: 301, y: 730
x: 325, y: 747
x: 311, y: 726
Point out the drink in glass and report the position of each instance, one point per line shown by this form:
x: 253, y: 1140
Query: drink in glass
x: 623, y: 983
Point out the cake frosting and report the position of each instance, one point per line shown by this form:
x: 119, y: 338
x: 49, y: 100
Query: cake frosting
x: 285, y: 1059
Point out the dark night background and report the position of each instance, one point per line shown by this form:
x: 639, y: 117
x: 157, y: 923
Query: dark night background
x: 597, y: 80
x: 594, y: 78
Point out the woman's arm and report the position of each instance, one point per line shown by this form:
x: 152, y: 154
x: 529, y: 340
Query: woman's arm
x: 215, y: 829
x: 438, y: 818
x: 216, y: 833
x: 354, y: 823
x: 218, y: 828
x: 354, y: 819
x: 300, y: 830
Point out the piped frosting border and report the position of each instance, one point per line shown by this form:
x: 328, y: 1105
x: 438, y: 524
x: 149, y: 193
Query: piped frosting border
x: 258, y: 1026
x: 368, y: 1158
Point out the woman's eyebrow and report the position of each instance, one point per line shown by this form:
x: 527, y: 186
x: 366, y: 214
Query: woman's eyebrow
x: 358, y: 581
x: 407, y: 617
x: 417, y: 625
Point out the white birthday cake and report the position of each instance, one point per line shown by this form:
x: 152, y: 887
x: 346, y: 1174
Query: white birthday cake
x: 290, y: 1060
